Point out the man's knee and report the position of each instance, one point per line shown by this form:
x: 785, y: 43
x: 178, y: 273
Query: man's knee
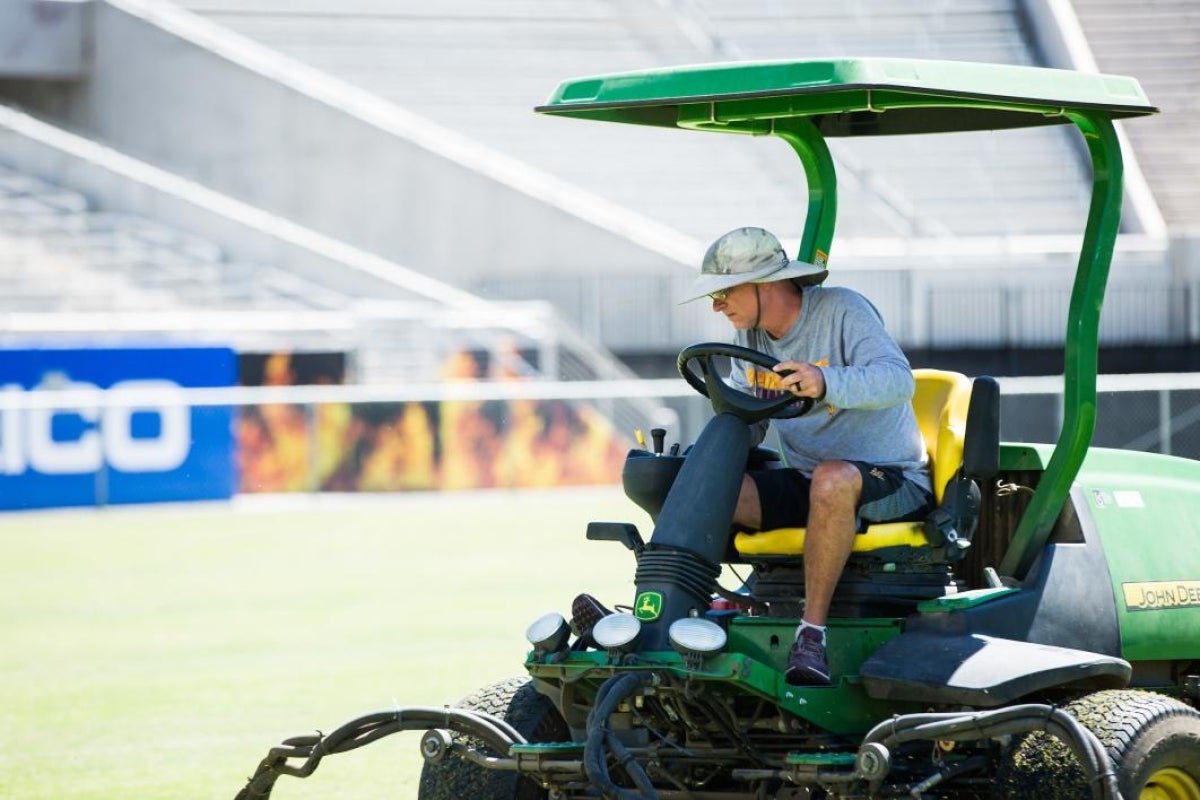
x: 835, y: 481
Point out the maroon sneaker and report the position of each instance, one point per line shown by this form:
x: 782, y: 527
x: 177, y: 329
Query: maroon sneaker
x: 806, y: 660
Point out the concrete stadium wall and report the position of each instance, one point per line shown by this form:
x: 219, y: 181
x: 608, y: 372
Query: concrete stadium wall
x: 171, y: 89
x: 114, y: 182
x: 44, y: 38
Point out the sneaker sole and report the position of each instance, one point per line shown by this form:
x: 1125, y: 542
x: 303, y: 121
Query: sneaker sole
x: 805, y: 677
x: 586, y: 611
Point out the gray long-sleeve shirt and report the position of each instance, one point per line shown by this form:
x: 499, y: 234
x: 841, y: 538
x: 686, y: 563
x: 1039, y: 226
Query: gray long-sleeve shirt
x: 866, y: 414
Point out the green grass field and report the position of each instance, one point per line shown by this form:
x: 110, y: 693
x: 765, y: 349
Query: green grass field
x: 159, y: 652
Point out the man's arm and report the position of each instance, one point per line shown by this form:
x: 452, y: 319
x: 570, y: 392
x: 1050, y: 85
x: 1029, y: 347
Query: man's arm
x: 878, y: 375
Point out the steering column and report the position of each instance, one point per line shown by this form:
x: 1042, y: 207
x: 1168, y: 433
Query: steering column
x: 678, y: 569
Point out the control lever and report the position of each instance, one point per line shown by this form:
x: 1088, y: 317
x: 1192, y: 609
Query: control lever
x: 659, y: 435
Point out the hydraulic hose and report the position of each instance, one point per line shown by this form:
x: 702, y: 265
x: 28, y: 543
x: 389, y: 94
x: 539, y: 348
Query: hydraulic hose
x: 595, y: 752
x: 1014, y: 719
x: 493, y: 731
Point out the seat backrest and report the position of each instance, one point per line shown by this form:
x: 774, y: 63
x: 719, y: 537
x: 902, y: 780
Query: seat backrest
x: 940, y: 402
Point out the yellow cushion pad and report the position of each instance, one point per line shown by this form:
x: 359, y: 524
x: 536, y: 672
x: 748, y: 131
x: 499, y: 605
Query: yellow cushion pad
x: 790, y: 541
x: 940, y: 401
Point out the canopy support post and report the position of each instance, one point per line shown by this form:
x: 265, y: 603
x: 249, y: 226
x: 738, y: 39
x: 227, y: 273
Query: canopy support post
x: 1080, y: 355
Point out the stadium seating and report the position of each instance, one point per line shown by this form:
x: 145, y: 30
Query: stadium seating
x: 63, y: 255
x: 1158, y: 42
x: 470, y: 67
x: 904, y: 233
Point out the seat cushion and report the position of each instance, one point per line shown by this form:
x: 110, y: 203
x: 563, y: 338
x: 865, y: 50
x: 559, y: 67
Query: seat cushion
x: 790, y: 541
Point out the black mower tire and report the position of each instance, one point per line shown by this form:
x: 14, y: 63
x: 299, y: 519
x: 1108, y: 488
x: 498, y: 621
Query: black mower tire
x: 516, y: 701
x: 1153, y: 740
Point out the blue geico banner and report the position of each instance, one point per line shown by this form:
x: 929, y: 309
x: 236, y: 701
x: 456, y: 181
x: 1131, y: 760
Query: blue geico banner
x: 142, y: 444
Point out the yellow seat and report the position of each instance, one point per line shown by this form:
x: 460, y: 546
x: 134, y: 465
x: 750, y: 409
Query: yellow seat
x: 940, y: 402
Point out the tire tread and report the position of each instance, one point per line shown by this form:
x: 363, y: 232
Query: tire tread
x: 1119, y: 718
x: 522, y: 706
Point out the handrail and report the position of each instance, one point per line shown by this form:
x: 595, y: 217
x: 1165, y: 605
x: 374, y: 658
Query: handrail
x: 75, y: 398
x: 652, y: 388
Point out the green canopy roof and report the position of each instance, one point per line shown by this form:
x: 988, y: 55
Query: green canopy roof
x: 803, y: 102
x: 848, y: 97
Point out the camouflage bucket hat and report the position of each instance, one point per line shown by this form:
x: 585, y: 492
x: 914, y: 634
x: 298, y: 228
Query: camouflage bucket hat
x: 748, y: 255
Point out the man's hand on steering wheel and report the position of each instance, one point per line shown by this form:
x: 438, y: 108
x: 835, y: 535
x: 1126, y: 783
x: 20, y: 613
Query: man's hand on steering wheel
x: 804, y: 380
x: 728, y: 399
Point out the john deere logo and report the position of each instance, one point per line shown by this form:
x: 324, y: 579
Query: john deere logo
x: 648, y: 606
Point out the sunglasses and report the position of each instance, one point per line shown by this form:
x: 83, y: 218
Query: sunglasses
x: 719, y: 295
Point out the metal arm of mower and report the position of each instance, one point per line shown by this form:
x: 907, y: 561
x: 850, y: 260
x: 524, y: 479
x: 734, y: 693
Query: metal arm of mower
x: 494, y: 732
x: 874, y: 759
x: 1097, y: 765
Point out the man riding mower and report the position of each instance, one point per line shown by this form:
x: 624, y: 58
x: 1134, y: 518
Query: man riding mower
x: 1034, y: 634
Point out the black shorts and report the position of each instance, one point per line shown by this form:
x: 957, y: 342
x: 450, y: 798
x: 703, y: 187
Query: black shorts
x: 886, y: 497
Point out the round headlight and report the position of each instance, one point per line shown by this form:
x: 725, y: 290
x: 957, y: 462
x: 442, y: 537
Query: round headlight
x: 693, y: 636
x: 617, y: 631
x: 549, y: 632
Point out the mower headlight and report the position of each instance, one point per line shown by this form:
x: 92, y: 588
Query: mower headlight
x: 693, y: 636
x: 548, y: 633
x: 617, y: 631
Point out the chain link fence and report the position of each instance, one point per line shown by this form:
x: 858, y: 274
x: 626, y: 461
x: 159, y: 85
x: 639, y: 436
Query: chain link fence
x: 1158, y: 413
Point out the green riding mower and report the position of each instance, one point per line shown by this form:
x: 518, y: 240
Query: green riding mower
x: 1038, y: 636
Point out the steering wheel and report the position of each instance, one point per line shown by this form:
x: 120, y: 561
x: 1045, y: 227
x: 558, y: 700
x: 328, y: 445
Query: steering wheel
x: 727, y: 399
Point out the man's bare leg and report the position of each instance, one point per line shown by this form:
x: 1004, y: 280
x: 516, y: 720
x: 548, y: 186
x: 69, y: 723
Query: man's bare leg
x: 832, y: 526
x: 833, y: 500
x: 748, y: 514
